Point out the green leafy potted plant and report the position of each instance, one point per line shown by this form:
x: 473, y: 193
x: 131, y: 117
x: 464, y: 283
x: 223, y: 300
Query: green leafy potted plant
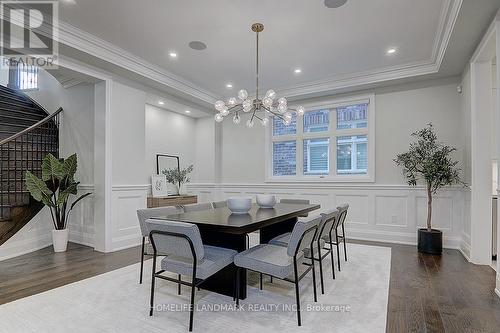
x: 54, y: 190
x: 178, y: 177
x: 431, y: 162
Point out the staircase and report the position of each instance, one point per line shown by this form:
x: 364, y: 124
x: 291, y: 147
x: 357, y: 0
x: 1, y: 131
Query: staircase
x: 27, y: 134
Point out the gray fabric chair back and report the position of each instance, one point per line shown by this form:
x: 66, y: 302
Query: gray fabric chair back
x: 342, y: 213
x: 147, y: 213
x: 295, y: 201
x: 177, y: 246
x: 297, y: 242
x: 219, y: 204
x: 329, y: 220
x: 197, y: 207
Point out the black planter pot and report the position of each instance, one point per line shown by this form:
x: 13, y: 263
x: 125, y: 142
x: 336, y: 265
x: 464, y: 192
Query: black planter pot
x: 430, y: 241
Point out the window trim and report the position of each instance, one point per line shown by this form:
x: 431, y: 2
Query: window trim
x: 332, y: 134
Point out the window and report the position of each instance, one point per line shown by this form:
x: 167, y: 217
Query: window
x: 23, y: 77
x: 332, y: 142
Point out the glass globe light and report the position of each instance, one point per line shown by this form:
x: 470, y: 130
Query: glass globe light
x: 264, y: 121
x: 219, y: 117
x: 242, y: 94
x: 300, y: 110
x: 282, y: 100
x: 249, y: 123
x: 286, y: 122
x: 267, y: 102
x: 232, y: 101
x: 287, y: 116
x: 271, y: 94
x: 219, y: 105
x: 236, y: 119
x: 282, y: 108
x: 247, y: 105
x: 224, y: 111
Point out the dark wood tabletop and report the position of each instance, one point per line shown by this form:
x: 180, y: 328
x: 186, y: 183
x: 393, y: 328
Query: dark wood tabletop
x: 222, y: 220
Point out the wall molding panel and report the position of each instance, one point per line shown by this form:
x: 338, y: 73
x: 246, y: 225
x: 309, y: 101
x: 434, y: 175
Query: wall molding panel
x: 386, y: 213
x: 125, y: 200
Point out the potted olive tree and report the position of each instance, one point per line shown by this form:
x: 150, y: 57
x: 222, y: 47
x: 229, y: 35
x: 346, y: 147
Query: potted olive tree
x: 54, y: 190
x: 430, y: 162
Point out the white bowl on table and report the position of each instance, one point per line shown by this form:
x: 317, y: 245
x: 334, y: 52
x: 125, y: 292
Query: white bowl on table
x: 266, y: 200
x: 239, y: 205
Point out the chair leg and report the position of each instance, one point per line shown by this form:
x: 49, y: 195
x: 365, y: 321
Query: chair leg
x: 314, y: 275
x: 151, y: 304
x: 331, y: 256
x: 338, y: 250
x: 142, y: 259
x: 321, y: 269
x: 343, y: 239
x: 248, y: 240
x: 179, y: 285
x: 297, y: 296
x: 260, y: 281
x: 191, y: 307
x: 237, y: 287
x: 271, y: 279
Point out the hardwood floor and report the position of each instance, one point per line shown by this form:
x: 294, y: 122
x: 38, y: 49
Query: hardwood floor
x: 427, y: 293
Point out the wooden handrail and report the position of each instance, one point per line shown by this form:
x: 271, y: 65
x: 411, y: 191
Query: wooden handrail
x: 32, y: 127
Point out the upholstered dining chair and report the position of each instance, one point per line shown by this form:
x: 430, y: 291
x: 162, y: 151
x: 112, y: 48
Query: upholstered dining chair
x: 340, y: 220
x: 219, y: 204
x: 197, y: 207
x: 185, y: 255
x: 282, y: 262
x: 324, y: 230
x: 143, y: 215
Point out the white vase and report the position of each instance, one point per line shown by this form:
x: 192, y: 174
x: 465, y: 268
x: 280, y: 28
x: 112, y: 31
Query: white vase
x: 60, y: 240
x: 183, y: 189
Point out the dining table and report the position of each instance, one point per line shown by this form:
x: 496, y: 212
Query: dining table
x: 220, y: 227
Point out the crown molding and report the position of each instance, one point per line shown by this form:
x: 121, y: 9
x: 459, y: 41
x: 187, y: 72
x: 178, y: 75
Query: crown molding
x: 447, y: 20
x: 88, y: 43
x: 97, y: 47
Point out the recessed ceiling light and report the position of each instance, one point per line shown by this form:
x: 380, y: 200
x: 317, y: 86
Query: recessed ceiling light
x: 161, y: 102
x: 173, y: 54
x: 297, y: 70
x: 187, y: 111
x: 229, y: 85
x: 392, y: 50
x: 334, y: 3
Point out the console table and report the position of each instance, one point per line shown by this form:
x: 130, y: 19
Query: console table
x: 171, y: 200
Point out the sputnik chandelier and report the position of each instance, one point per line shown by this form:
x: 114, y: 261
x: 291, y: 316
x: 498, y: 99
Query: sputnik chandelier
x: 258, y: 108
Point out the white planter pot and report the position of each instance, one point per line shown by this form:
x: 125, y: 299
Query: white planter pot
x: 60, y: 240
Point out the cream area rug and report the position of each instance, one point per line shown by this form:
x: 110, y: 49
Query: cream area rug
x: 356, y: 301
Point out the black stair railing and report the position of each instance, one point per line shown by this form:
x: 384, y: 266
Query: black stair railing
x: 21, y: 152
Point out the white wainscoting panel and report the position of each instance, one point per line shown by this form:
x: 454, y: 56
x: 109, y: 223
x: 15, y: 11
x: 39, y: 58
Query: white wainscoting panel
x: 126, y: 199
x: 387, y: 213
x: 81, y: 221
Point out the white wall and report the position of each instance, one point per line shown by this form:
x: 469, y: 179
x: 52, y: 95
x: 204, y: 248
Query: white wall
x: 168, y: 133
x: 387, y: 210
x: 128, y: 166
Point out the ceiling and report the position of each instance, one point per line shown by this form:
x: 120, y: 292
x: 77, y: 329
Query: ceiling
x: 328, y: 45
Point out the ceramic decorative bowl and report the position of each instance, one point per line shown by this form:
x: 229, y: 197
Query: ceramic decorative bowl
x: 266, y: 200
x: 239, y: 205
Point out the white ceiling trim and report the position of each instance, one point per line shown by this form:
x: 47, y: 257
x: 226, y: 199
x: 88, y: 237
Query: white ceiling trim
x: 447, y: 20
x: 88, y: 43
